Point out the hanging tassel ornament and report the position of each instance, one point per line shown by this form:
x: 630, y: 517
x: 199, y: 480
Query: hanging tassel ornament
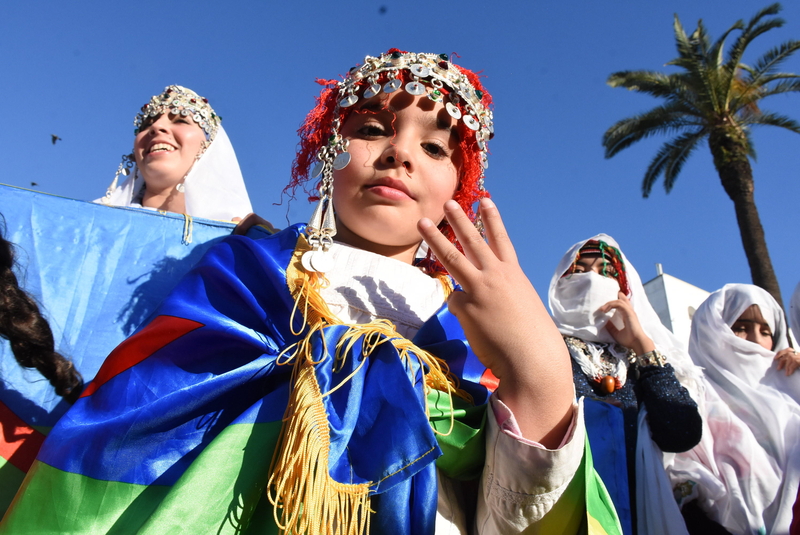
x: 124, y: 169
x: 322, y: 227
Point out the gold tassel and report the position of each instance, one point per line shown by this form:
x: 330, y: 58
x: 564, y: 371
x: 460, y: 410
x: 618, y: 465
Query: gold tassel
x: 304, y: 497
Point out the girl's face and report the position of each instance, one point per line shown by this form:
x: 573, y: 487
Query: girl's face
x: 404, y: 166
x: 166, y: 149
x: 752, y: 327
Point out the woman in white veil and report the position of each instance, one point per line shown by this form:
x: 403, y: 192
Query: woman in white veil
x: 746, y: 469
x: 631, y: 361
x: 204, y: 182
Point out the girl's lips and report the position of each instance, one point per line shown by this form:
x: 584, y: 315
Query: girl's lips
x: 389, y: 192
x: 390, y: 188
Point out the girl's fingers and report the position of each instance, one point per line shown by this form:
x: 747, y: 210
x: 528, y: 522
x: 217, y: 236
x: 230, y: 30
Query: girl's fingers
x: 451, y: 258
x: 471, y: 241
x: 496, y: 234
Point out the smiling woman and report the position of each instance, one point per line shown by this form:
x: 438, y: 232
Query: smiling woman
x: 182, y: 161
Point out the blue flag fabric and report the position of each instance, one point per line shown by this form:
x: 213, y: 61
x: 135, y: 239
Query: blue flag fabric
x: 97, y: 273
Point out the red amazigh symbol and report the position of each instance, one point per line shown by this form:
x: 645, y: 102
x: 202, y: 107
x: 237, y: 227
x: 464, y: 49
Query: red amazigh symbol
x: 160, y: 332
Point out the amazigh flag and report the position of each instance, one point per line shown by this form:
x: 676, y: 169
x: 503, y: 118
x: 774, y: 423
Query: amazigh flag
x: 97, y: 273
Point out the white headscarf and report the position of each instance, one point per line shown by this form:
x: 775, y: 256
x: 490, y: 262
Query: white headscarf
x: 214, y: 187
x: 747, y: 465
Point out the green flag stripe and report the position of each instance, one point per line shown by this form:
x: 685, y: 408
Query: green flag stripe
x: 223, y: 486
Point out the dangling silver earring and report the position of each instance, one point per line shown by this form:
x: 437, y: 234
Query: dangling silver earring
x: 321, y: 227
x: 180, y: 187
x: 124, y: 169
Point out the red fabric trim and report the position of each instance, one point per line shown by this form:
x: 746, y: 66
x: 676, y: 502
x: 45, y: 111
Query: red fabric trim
x: 19, y: 442
x: 160, y: 332
x: 489, y: 380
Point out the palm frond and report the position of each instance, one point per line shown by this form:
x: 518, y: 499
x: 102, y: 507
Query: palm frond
x: 789, y: 83
x: 773, y: 119
x: 772, y: 59
x: 693, y: 58
x: 677, y: 149
x: 753, y: 29
x: 682, y: 148
x: 717, y: 51
x: 673, y: 87
x: 666, y: 119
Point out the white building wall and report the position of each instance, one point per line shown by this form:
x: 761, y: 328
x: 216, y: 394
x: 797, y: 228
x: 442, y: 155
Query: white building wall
x: 675, y: 302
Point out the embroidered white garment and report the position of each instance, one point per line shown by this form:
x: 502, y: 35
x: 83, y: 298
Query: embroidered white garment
x: 364, y: 286
x: 759, y: 470
x: 214, y: 187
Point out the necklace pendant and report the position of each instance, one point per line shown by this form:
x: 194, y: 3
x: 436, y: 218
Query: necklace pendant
x: 608, y: 384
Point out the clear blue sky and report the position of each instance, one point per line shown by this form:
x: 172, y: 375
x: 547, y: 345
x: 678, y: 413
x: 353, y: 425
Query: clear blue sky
x: 81, y: 70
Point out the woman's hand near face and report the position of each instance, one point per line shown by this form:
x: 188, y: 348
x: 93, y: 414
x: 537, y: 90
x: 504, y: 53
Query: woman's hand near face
x: 788, y: 360
x: 631, y: 335
x: 506, y: 322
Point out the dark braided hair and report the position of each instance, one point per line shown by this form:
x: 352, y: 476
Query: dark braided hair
x: 28, y: 332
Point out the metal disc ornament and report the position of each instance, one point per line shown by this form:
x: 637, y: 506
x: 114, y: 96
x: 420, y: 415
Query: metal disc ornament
x: 348, y: 101
x: 341, y: 161
x: 392, y: 86
x: 321, y: 261
x: 372, y: 90
x: 420, y: 70
x: 453, y: 110
x: 317, y: 170
x: 471, y: 122
x: 305, y: 260
x: 415, y: 88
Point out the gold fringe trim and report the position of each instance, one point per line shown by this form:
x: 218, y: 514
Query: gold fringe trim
x: 305, y: 498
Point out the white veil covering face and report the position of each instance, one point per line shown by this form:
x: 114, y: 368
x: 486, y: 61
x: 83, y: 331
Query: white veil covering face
x: 747, y: 465
x: 214, y: 187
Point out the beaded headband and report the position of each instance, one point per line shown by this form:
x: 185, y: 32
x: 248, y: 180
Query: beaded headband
x: 611, y: 256
x: 433, y: 75
x: 176, y: 100
x: 179, y: 100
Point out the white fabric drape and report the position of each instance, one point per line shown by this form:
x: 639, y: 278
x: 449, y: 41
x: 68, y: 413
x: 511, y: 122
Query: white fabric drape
x: 794, y: 313
x: 747, y: 465
x: 214, y: 186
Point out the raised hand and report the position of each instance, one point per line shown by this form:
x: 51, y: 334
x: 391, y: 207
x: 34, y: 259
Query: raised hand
x: 788, y: 360
x: 631, y: 335
x: 506, y: 323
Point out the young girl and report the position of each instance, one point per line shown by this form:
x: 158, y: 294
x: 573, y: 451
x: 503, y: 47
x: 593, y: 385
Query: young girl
x: 746, y: 469
x: 307, y: 385
x: 182, y: 161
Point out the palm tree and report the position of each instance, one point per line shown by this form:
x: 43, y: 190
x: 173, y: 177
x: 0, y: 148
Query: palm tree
x: 717, y: 98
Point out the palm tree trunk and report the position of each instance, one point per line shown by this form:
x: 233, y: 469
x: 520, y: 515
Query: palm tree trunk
x: 736, y: 175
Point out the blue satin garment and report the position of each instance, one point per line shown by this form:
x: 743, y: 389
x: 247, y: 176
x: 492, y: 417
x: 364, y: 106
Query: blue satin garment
x: 215, y: 340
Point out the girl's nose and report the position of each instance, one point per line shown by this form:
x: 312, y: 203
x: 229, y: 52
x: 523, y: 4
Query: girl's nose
x: 396, y: 156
